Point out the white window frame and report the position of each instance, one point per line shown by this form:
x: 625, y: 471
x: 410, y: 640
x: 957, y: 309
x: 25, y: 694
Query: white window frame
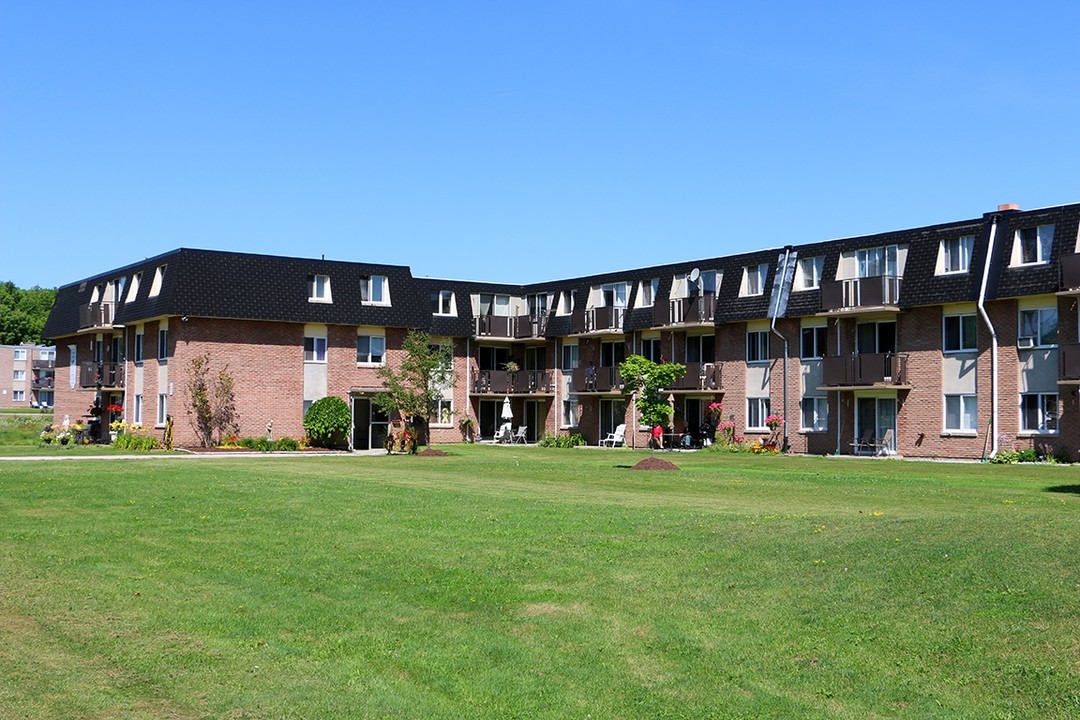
x: 1033, y: 322
x: 753, y: 284
x: 367, y: 360
x: 444, y: 303
x: 757, y: 409
x: 375, y: 290
x: 163, y: 344
x: 18, y: 375
x: 967, y: 344
x: 569, y: 416
x: 140, y: 346
x: 882, y: 261
x: 18, y: 396
x: 162, y: 409
x: 444, y: 413
x: 319, y: 289
x: 954, y: 255
x: 568, y: 353
x: 133, y: 288
x: 757, y: 346
x: 19, y: 354
x: 316, y: 353
x: 136, y: 416
x: 810, y: 272
x: 159, y: 280
x: 966, y: 410
x: 818, y: 408
x: 647, y: 292
x: 820, y: 341
x: 1044, y: 243
x: 1046, y: 419
x: 617, y: 293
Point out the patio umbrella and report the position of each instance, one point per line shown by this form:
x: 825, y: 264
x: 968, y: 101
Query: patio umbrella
x: 507, y: 413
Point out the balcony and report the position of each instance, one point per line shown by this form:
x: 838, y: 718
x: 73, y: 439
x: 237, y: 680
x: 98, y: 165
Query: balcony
x: 105, y: 375
x: 495, y: 326
x: 700, y: 376
x: 527, y: 326
x: 39, y: 364
x: 696, y: 310
x: 43, y: 381
x: 1069, y: 357
x: 519, y: 382
x: 1070, y: 272
x: 881, y: 292
x: 96, y: 315
x: 595, y: 379
x: 864, y: 371
x: 598, y: 320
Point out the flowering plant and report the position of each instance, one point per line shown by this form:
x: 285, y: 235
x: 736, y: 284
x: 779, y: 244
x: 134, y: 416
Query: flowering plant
x: 715, y: 411
x: 114, y: 408
x: 773, y: 422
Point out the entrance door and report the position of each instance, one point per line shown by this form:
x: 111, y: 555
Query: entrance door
x: 488, y: 417
x: 534, y: 418
x: 370, y: 425
x: 874, y: 416
x: 612, y: 414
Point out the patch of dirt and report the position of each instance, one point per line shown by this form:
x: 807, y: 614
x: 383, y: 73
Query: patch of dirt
x: 432, y: 452
x: 655, y: 463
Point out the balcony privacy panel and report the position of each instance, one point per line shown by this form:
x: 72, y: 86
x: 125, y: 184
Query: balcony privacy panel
x: 1070, y: 362
x: 866, y: 369
x: 1070, y: 272
x: 109, y: 375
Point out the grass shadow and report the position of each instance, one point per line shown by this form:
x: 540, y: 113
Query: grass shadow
x: 1067, y: 489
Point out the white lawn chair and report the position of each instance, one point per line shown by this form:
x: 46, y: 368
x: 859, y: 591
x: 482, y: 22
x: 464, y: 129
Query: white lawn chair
x: 502, y: 435
x: 519, y: 436
x: 616, y: 438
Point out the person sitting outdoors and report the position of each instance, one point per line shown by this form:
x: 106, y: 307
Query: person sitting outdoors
x: 657, y: 437
x: 686, y: 441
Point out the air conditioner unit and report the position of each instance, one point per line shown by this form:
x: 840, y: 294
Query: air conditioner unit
x: 1025, y: 341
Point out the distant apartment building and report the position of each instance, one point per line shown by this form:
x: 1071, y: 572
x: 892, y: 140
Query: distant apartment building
x: 942, y: 341
x: 27, y: 375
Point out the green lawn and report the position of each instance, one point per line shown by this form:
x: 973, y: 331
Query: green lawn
x: 534, y: 583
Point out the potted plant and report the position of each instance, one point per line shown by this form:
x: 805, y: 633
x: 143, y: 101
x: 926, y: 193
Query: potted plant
x: 467, y: 427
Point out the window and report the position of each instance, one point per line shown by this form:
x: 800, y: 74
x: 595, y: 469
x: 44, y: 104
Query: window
x: 318, y: 287
x: 810, y: 271
x: 139, y: 340
x: 647, y: 292
x: 1039, y: 412
x: 650, y: 349
x: 956, y: 254
x: 815, y: 414
x: 1040, y: 326
x: 757, y: 409
x: 961, y: 412
x: 612, y: 353
x: 701, y: 349
x: 497, y: 305
x: 569, y: 411
x: 443, y: 412
x: 757, y: 346
x: 375, y: 290
x: 18, y: 395
x: 567, y: 299
x: 1032, y: 245
x: 162, y: 408
x: 370, y: 349
x: 442, y: 303
x: 159, y: 278
x: 48, y: 354
x: 133, y: 289
x: 491, y: 357
x: 163, y: 344
x: 569, y: 357
x: 19, y: 375
x: 813, y: 342
x: 136, y: 416
x: 754, y: 280
x: 875, y: 337
x: 710, y: 280
x: 874, y: 262
x: 538, y: 305
x: 960, y: 333
x: 315, y: 349
x: 614, y: 294
x: 20, y: 354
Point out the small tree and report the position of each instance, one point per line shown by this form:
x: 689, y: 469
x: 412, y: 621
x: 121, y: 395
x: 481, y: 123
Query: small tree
x: 644, y: 379
x: 327, y: 421
x: 415, y: 388
x: 212, y: 408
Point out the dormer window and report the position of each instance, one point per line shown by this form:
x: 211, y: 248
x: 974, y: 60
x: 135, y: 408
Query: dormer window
x: 1032, y: 245
x: 159, y: 278
x: 442, y: 303
x: 319, y: 289
x: 133, y: 288
x: 954, y: 255
x: 497, y: 305
x: 566, y: 302
x: 808, y: 273
x: 375, y: 290
x: 614, y: 295
x: 538, y: 305
x: 875, y: 262
x: 647, y: 292
x: 754, y: 280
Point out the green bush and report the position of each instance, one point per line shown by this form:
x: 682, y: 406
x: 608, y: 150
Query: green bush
x: 255, y: 443
x: 136, y: 442
x: 327, y: 421
x: 562, y: 440
x: 1029, y: 455
x: 286, y: 443
x: 1005, y: 457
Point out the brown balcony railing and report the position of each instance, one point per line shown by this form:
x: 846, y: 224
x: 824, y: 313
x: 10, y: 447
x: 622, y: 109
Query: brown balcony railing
x: 42, y: 382
x: 595, y: 379
x: 1070, y: 271
x: 877, y: 291
x: 503, y: 382
x: 493, y: 326
x: 866, y: 369
x: 1070, y: 361
x: 40, y: 364
x: 691, y: 310
x: 699, y: 376
x: 94, y: 315
x: 95, y: 374
x: 527, y: 326
x: 597, y: 319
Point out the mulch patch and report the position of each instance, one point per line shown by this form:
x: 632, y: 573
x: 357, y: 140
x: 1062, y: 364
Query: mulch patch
x: 432, y: 452
x: 655, y: 463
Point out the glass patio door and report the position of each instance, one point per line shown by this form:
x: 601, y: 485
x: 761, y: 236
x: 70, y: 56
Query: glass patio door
x: 874, y: 416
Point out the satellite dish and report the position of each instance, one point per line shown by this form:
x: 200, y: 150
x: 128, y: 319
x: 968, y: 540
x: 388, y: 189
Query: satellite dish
x: 694, y: 275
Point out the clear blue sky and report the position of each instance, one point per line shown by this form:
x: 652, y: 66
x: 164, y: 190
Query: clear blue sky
x: 518, y: 141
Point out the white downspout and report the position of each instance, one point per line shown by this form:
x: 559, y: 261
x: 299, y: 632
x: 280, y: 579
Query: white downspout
x: 783, y: 278
x: 993, y: 341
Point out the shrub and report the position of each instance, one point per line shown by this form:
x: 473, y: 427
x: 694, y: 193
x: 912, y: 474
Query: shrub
x: 1028, y: 455
x: 562, y: 440
x: 327, y: 421
x: 255, y: 443
x: 287, y: 444
x: 1005, y: 457
x: 140, y: 442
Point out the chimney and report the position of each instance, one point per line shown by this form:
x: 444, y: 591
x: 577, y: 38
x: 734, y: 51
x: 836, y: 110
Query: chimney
x: 1008, y: 206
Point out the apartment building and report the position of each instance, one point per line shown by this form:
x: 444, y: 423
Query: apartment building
x: 26, y: 375
x: 952, y: 340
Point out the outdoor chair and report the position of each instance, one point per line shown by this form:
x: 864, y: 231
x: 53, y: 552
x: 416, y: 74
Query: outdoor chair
x: 866, y: 443
x: 502, y: 435
x: 616, y: 438
x: 885, y: 446
x: 519, y: 436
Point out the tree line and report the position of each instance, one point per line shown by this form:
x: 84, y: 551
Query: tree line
x: 23, y: 313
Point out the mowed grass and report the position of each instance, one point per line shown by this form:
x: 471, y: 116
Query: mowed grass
x: 538, y: 583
